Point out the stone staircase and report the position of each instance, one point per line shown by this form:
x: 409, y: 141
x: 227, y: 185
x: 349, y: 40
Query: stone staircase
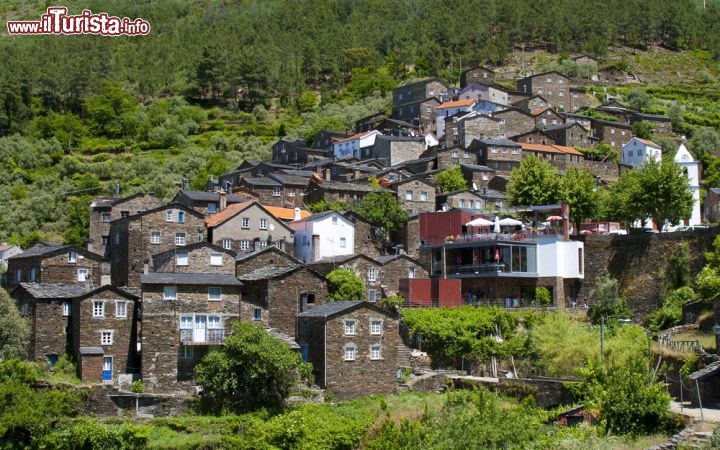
x: 406, y: 359
x: 404, y: 353
x: 689, y: 438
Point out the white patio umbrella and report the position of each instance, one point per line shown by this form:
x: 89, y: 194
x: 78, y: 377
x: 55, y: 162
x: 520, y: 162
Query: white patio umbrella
x: 508, y: 222
x: 496, y: 229
x: 479, y: 222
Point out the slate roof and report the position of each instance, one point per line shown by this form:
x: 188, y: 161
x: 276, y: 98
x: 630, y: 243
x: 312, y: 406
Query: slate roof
x: 652, y: 117
x: 211, y: 196
x: 261, y: 181
x: 715, y: 190
x: 206, y: 279
x: 343, y: 186
x: 283, y: 337
x: 298, y: 172
x: 339, y: 259
x: 92, y: 351
x: 40, y: 249
x: 271, y: 248
x: 289, y: 179
x: 266, y: 273
x: 500, y: 141
x: 48, y: 290
x: 706, y: 372
x: 477, y: 167
x: 563, y: 126
x: 331, y: 308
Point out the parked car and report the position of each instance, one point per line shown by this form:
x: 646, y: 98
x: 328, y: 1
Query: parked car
x: 617, y: 232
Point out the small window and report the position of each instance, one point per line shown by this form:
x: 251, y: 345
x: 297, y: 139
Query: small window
x: 411, y: 272
x: 305, y: 327
x: 350, y: 353
x: 376, y: 326
x: 373, y: 274
x: 454, y: 154
x: 25, y: 309
x: 372, y: 295
x: 182, y: 258
x: 33, y: 274
x: 263, y: 224
x: 121, y: 309
x: 179, y: 238
x: 124, y: 214
x: 227, y: 244
x: 212, y: 208
x: 186, y: 352
x: 72, y: 257
x: 216, y: 259
x: 18, y: 275
x: 117, y: 238
x: 106, y: 217
x: 343, y: 242
x: 106, y: 338
x: 277, y: 192
x: 200, y: 236
x: 98, y: 309
x: 409, y: 195
x: 349, y: 327
x: 169, y: 293
x: 257, y: 313
x: 154, y: 237
x: 423, y: 196
x: 66, y: 308
x: 181, y: 216
x: 168, y: 215
x: 215, y: 293
x: 244, y: 245
x: 105, y: 240
x: 334, y: 220
x: 262, y: 244
x: 245, y: 223
x: 375, y: 352
x: 82, y: 274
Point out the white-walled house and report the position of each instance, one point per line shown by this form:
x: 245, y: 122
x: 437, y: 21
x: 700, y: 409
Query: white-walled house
x: 690, y: 168
x: 351, y: 146
x: 323, y: 235
x: 637, y: 151
x: 448, y: 109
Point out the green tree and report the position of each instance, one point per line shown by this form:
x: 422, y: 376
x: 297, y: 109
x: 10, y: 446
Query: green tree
x: 534, y: 182
x: 113, y: 112
x: 451, y: 179
x: 307, y: 101
x: 383, y: 210
x: 643, y: 130
x: 251, y: 371
x: 638, y: 99
x: 666, y: 191
x: 626, y: 202
x: 542, y: 296
x: 704, y: 142
x: 707, y: 283
x: 605, y: 299
x: 577, y: 189
x: 14, y: 329
x: 676, y: 112
x: 345, y: 284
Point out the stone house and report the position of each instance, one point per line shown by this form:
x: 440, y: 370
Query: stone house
x: 393, y: 268
x: 553, y: 86
x: 557, y: 155
x: 250, y: 261
x: 579, y: 99
x: 616, y: 109
x: 207, y: 203
x: 371, y: 122
x: 245, y: 226
x: 266, y: 167
x: 452, y: 128
x: 411, y: 236
x: 477, y: 75
x: 323, y: 235
x: 324, y: 139
x: 282, y: 148
x: 420, y: 113
x: 546, y: 117
x: 479, y: 126
x: 711, y: 205
x: 465, y: 199
x: 337, y: 191
x: 661, y: 124
x: 353, y: 347
x: 105, y: 334
x: 450, y: 156
x: 184, y: 316
x: 612, y: 75
x: 48, y: 310
x: 531, y: 103
x: 55, y: 263
x: 135, y: 239
x: 614, y: 133
x: 416, y: 194
x: 571, y: 134
x: 534, y: 136
x: 201, y: 257
x: 484, y: 92
x: 8, y: 251
x: 499, y: 154
x: 477, y: 176
x: 585, y: 121
x: 392, y: 150
x: 416, y: 92
x: 274, y: 295
x: 513, y: 122
x: 293, y: 189
x: 303, y: 155
x: 105, y: 210
x: 451, y: 109
x: 368, y: 240
x: 266, y: 190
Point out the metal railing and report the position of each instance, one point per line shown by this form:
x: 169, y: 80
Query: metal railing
x: 477, y: 268
x: 209, y: 337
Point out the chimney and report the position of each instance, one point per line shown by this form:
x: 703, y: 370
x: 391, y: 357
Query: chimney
x: 185, y: 183
x: 298, y: 216
x: 327, y: 174
x: 146, y: 269
x: 117, y: 189
x: 223, y: 200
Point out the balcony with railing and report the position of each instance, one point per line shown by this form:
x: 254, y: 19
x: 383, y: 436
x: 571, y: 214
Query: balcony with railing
x: 202, y: 337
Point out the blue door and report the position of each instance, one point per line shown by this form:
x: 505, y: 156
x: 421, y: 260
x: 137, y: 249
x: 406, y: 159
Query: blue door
x: 52, y: 359
x: 107, y: 368
x: 304, y: 352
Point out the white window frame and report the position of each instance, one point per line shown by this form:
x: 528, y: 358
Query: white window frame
x: 67, y: 309
x: 168, y: 215
x: 212, y: 207
x: 277, y: 191
x: 169, y: 292
x: 98, y: 313
x: 86, y: 274
x: 334, y: 220
x: 215, y: 293
x: 180, y: 238
x: 244, y: 244
x: 263, y: 224
x: 215, y: 262
x: 72, y: 257
x: 106, y: 217
x: 103, y: 341
x: 262, y: 243
x: 423, y: 196
x: 343, y: 242
x: 186, y: 352
x: 376, y: 326
x: 350, y: 327
x: 227, y: 244
x: 411, y: 270
x: 245, y: 223
x: 372, y: 295
x: 182, y: 258
x: 375, y: 352
x: 373, y: 275
x: 154, y: 237
x: 350, y: 352
x: 121, y: 311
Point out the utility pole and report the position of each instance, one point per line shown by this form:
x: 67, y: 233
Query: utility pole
x: 602, y: 342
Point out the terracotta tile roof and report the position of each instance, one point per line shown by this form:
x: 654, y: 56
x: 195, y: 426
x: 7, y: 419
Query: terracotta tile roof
x: 551, y: 149
x: 285, y: 214
x: 457, y: 103
x: 353, y: 137
x: 537, y: 111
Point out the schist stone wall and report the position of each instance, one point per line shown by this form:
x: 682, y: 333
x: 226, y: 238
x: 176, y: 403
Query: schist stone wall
x: 362, y: 376
x: 166, y: 364
x: 398, y: 268
x: 52, y: 330
x: 638, y: 262
x: 267, y: 258
x: 57, y: 269
x: 416, y: 196
x: 198, y: 260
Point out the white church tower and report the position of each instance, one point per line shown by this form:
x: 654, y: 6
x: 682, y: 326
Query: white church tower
x: 690, y: 168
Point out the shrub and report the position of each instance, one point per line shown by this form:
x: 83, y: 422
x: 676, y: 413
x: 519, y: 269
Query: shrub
x: 345, y: 284
x: 137, y: 387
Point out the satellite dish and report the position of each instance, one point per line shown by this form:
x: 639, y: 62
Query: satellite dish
x: 272, y: 227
